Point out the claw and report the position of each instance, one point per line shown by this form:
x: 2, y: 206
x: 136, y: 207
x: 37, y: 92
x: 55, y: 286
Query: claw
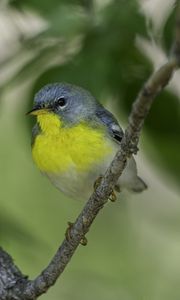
x: 112, y: 196
x: 68, y: 231
x: 97, y: 182
x: 83, y: 241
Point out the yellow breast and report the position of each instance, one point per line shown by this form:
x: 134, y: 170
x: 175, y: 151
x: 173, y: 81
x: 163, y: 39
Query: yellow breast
x: 59, y: 148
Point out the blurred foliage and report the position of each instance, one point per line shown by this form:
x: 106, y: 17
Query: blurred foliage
x: 163, y: 131
x: 167, y: 32
x: 93, y: 48
x: 47, y: 8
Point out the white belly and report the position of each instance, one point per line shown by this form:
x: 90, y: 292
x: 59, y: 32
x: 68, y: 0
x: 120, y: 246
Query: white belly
x: 79, y: 185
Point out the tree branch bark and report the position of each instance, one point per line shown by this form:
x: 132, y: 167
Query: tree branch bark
x: 13, y: 284
x: 12, y: 281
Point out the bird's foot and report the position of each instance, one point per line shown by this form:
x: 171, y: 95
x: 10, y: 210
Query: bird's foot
x: 112, y: 196
x: 97, y: 182
x: 83, y: 240
x: 68, y: 231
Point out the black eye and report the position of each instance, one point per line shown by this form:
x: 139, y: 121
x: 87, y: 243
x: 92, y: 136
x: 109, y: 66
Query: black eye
x: 61, y: 102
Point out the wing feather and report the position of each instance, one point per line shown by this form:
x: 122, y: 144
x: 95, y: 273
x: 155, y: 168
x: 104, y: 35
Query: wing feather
x: 107, y: 119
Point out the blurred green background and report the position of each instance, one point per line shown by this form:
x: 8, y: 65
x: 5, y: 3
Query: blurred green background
x: 109, y: 47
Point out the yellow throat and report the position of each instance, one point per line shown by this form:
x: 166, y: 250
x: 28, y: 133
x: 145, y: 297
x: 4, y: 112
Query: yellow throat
x: 57, y: 148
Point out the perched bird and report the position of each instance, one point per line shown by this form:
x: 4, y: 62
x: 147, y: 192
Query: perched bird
x: 75, y: 139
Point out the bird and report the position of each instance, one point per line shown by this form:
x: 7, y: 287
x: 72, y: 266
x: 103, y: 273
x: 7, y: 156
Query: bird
x: 75, y: 139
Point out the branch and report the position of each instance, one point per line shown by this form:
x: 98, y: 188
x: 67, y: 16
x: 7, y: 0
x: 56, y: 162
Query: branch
x: 32, y: 289
x: 12, y: 281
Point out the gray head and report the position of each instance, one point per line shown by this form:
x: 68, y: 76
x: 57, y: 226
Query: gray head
x: 70, y: 102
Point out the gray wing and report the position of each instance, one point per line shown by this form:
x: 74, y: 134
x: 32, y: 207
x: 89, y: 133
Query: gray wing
x: 131, y: 180
x: 110, y: 122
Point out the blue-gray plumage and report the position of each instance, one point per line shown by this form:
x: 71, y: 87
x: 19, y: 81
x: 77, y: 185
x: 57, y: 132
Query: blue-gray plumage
x: 80, y: 105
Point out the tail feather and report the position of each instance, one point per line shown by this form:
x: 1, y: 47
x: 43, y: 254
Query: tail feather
x: 138, y: 185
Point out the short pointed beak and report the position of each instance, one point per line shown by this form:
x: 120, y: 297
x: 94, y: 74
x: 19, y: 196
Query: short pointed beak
x: 36, y: 111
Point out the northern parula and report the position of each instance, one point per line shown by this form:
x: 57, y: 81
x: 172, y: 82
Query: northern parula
x: 75, y: 139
